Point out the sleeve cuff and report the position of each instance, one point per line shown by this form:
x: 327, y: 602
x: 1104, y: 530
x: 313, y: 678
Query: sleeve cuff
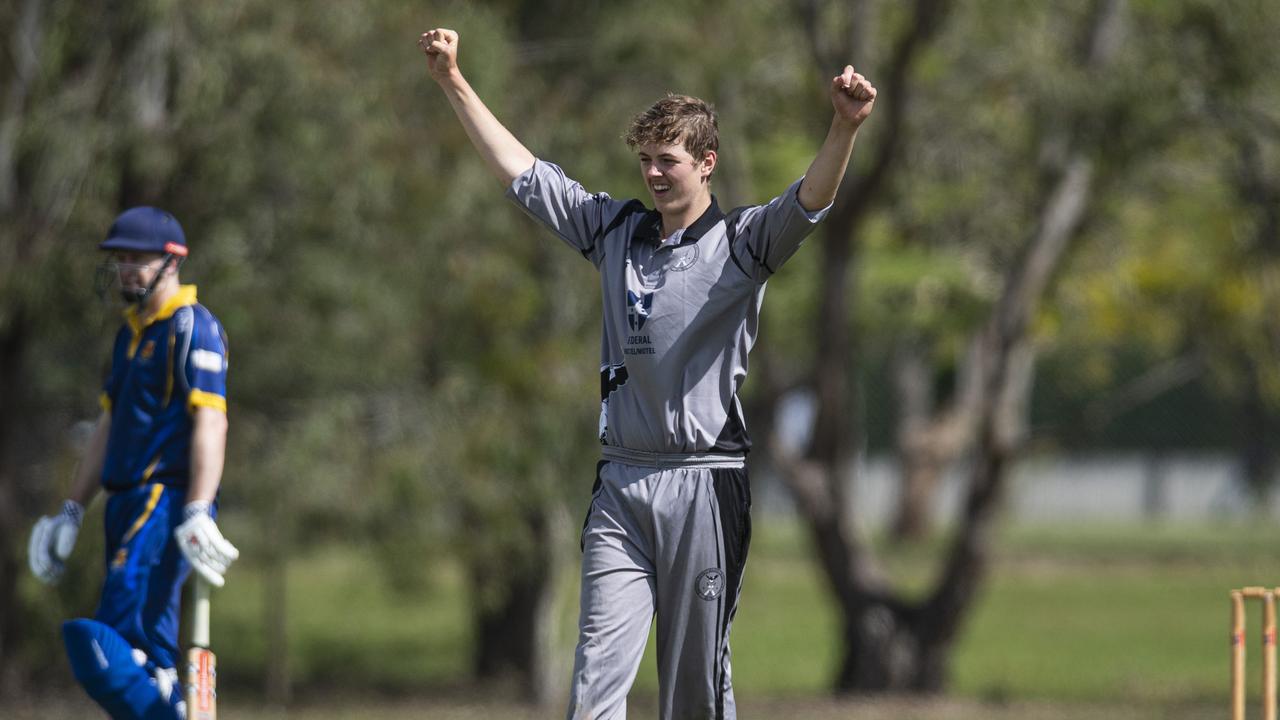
x: 813, y: 217
x: 104, y: 400
x: 816, y: 215
x: 521, y: 181
x: 200, y: 398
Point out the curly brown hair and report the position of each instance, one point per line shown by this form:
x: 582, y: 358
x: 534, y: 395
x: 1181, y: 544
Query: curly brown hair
x: 675, y: 120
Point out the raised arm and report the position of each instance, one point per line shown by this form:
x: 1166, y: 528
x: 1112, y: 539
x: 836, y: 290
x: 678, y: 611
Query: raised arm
x: 505, y: 156
x: 853, y: 98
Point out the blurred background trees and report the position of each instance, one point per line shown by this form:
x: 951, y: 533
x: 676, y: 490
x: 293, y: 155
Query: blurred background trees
x: 1060, y: 230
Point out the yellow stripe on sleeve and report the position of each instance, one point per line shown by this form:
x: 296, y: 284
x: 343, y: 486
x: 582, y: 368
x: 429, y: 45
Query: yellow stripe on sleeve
x: 105, y: 401
x: 200, y: 398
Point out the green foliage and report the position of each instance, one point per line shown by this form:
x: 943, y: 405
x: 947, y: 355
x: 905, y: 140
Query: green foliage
x: 413, y: 362
x: 1183, y: 258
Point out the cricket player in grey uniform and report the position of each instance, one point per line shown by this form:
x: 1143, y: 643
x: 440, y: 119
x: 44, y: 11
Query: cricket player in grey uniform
x: 669, y: 525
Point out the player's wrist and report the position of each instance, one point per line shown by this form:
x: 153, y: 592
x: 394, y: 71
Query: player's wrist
x: 842, y: 124
x: 72, y: 511
x: 196, y: 508
x: 452, y: 83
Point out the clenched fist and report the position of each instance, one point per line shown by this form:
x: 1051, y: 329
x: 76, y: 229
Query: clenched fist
x: 441, y: 48
x: 853, y: 96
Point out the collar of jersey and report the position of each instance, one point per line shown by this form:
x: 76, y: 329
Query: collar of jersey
x: 650, y: 228
x: 186, y: 295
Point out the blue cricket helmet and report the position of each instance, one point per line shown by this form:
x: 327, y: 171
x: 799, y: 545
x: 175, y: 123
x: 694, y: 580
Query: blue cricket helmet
x: 146, y: 229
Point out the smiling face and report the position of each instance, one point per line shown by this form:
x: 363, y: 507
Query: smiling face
x: 676, y: 140
x: 678, y: 183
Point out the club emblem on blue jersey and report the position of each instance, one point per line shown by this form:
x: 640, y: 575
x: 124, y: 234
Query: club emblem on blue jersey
x: 638, y: 307
x: 710, y: 584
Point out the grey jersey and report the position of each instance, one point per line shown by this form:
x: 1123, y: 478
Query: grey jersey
x: 680, y: 315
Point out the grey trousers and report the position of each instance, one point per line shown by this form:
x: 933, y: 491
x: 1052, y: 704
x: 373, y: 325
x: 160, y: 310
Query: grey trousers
x: 671, y: 542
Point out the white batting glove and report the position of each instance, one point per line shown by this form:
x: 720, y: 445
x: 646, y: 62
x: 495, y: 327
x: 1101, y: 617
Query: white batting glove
x: 52, y: 540
x: 203, y: 545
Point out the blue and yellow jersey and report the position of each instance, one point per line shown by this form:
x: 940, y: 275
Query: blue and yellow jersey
x: 161, y: 370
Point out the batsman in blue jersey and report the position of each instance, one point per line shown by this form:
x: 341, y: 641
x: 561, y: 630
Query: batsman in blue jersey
x: 681, y: 284
x: 157, y: 451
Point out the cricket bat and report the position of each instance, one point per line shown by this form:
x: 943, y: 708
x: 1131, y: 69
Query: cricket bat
x: 202, y: 674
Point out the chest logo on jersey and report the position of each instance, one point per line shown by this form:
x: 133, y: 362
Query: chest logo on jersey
x: 148, y: 349
x: 638, y: 308
x: 683, y: 258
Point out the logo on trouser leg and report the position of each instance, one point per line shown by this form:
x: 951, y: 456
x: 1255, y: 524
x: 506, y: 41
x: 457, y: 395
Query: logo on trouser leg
x: 710, y: 584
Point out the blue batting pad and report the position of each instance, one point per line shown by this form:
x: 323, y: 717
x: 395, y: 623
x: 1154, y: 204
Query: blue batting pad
x: 103, y: 663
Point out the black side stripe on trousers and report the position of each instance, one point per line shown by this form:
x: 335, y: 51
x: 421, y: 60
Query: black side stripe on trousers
x: 595, y: 492
x: 733, y: 495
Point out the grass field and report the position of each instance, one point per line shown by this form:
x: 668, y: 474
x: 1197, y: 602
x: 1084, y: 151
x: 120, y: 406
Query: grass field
x: 1076, y: 622
x: 437, y: 708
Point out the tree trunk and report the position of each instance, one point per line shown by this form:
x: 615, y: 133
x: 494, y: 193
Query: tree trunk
x: 883, y: 649
x: 517, y: 636
x: 24, y: 43
x: 1259, y: 428
x: 879, y: 654
x: 1259, y: 187
x: 13, y: 500
x: 892, y: 644
x: 921, y: 466
x: 505, y: 634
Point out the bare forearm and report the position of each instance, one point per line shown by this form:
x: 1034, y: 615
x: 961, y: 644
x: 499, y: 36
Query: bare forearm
x: 500, y: 150
x: 505, y: 156
x: 88, y: 477
x: 198, y: 537
x: 208, y: 453
x: 827, y: 169
x: 852, y: 97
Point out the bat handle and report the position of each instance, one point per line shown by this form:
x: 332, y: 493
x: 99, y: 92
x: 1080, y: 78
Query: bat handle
x: 201, y: 692
x: 200, y: 612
